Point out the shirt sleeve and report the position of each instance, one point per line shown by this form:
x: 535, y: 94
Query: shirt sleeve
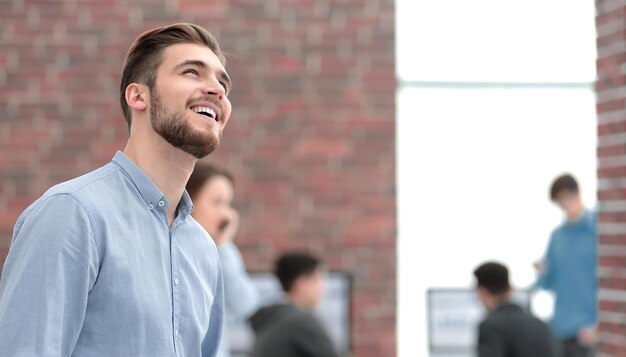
x: 490, y: 343
x: 546, y: 276
x: 211, y: 342
x: 51, y: 267
x: 241, y: 296
x: 313, y: 340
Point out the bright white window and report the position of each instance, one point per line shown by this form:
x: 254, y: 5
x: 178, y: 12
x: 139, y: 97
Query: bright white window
x: 495, y: 99
x: 496, y: 40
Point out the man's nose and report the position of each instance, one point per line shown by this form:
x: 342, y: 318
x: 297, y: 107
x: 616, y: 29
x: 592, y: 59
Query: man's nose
x: 214, y: 88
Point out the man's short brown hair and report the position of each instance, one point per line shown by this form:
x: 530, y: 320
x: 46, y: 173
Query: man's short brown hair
x: 144, y: 56
x: 292, y: 265
x: 494, y: 277
x: 563, y: 183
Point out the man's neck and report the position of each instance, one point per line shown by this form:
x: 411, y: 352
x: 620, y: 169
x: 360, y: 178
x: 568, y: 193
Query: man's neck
x: 168, y: 167
x: 295, y: 300
x: 577, y: 214
x: 498, y: 300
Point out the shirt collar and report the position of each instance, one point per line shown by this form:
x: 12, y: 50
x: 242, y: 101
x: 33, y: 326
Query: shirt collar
x: 185, y: 207
x: 150, y: 193
x: 507, y: 306
x: 580, y: 220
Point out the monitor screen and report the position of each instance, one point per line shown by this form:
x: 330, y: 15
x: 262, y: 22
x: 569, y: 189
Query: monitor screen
x: 454, y: 315
x: 333, y: 310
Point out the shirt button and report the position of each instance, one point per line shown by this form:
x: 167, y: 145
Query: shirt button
x: 150, y: 206
x: 176, y: 332
x: 161, y: 203
x: 176, y: 281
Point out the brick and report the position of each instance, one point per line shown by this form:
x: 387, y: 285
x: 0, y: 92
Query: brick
x: 311, y: 141
x: 611, y: 42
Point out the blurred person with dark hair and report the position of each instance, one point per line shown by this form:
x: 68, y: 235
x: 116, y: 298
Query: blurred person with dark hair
x: 290, y: 329
x: 212, y: 189
x: 569, y: 269
x: 508, y: 331
x: 112, y: 263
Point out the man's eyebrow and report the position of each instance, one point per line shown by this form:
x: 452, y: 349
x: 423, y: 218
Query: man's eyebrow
x: 196, y: 63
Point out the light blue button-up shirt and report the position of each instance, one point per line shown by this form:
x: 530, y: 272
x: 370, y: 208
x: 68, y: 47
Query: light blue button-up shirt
x: 571, y: 273
x: 94, y: 270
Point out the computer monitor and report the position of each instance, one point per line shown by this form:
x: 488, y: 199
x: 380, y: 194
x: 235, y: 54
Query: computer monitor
x: 333, y: 310
x: 454, y: 315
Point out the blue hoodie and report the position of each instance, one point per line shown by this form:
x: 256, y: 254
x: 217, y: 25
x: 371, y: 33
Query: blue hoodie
x: 570, y: 271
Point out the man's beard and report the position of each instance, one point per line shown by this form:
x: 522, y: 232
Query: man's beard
x: 176, y: 130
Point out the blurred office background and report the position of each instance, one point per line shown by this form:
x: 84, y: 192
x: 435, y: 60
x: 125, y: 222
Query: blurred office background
x: 454, y: 114
x: 495, y: 99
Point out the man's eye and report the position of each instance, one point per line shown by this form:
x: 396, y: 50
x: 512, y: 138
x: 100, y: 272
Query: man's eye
x: 192, y: 71
x: 224, y: 86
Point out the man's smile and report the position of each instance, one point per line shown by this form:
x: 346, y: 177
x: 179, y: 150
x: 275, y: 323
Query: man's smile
x: 207, y: 109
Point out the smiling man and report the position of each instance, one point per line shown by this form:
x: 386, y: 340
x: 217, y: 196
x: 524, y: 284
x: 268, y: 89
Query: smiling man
x: 112, y: 263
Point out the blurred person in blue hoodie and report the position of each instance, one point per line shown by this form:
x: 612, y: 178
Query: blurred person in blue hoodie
x: 211, y: 190
x: 569, y: 270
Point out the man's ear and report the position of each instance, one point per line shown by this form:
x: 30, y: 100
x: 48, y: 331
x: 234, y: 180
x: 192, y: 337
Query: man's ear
x: 482, y: 292
x: 136, y: 96
x: 298, y: 283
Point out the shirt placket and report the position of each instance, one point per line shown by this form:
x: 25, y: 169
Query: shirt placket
x: 176, y: 303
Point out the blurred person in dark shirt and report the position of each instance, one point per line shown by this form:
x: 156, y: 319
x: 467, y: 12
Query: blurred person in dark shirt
x: 508, y: 331
x: 289, y: 328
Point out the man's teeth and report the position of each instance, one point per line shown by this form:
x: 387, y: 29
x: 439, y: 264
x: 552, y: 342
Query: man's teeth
x: 205, y: 110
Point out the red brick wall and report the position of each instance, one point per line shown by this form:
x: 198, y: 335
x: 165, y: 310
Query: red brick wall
x: 311, y: 140
x: 611, y: 107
